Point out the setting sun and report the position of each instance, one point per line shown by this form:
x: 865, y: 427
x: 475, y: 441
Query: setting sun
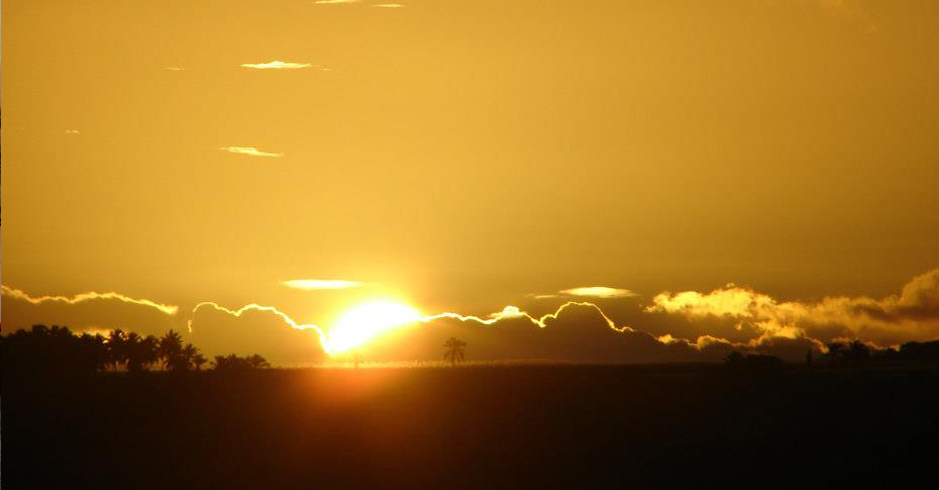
x: 470, y: 244
x: 362, y: 323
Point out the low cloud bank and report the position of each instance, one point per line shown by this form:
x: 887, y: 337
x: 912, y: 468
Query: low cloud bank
x: 689, y: 326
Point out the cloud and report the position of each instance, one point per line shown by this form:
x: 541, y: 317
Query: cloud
x: 174, y: 68
x: 388, y: 5
x: 542, y: 296
x: 911, y: 315
x: 249, y: 150
x: 334, y: 2
x: 85, y: 311
x: 575, y: 332
x: 599, y: 292
x: 676, y: 327
x: 72, y: 131
x: 514, y: 312
x: 78, y: 298
x: 255, y: 329
x: 323, y: 284
x: 276, y: 65
x: 216, y: 339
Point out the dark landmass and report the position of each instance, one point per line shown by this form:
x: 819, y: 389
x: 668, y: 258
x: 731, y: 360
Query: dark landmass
x: 474, y: 426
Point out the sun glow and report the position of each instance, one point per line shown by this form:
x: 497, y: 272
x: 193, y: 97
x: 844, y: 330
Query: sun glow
x: 363, y: 323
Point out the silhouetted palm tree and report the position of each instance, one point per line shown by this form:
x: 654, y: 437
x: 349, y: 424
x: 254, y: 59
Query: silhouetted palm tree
x: 170, y: 349
x: 194, y: 357
x: 141, y: 352
x: 456, y: 350
x: 178, y: 357
x: 117, y: 348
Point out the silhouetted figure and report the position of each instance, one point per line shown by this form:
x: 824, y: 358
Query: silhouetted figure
x: 456, y: 350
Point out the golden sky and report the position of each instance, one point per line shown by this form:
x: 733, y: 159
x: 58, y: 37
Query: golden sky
x: 461, y: 156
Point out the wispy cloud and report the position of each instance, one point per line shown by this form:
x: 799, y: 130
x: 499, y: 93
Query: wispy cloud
x: 334, y: 2
x: 276, y: 65
x: 174, y: 68
x: 389, y: 5
x: 599, y: 292
x: 249, y: 150
x: 72, y: 131
x: 542, y: 296
x: 79, y: 298
x: 323, y: 284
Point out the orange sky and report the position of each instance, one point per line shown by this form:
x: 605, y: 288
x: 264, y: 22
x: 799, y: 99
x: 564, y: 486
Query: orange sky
x: 462, y: 156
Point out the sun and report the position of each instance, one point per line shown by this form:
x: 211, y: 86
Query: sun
x: 363, y: 323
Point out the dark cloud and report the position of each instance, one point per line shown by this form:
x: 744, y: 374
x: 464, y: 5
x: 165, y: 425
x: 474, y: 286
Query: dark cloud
x: 265, y: 332
x: 87, y: 311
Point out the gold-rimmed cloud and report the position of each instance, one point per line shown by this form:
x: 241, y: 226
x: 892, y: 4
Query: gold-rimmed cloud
x: 276, y: 65
x: 323, y: 284
x: 911, y: 315
x: 82, y: 297
x: 599, y: 292
x: 249, y: 150
x: 684, y: 326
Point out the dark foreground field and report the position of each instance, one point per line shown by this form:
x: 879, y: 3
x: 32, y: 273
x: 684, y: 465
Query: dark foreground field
x: 500, y: 426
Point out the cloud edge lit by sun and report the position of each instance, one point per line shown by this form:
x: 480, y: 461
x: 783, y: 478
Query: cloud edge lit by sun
x: 312, y: 284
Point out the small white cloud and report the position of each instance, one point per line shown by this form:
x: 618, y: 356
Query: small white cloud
x: 249, y: 150
x: 599, y: 292
x: 509, y: 312
x: 389, y: 5
x: 542, y: 296
x: 72, y: 131
x: 323, y: 284
x: 276, y: 65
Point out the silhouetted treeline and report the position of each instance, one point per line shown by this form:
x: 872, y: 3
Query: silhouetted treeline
x: 57, y: 351
x: 854, y: 354
x: 753, y: 363
x: 859, y: 354
x: 43, y: 350
x: 235, y: 363
x: 915, y: 352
